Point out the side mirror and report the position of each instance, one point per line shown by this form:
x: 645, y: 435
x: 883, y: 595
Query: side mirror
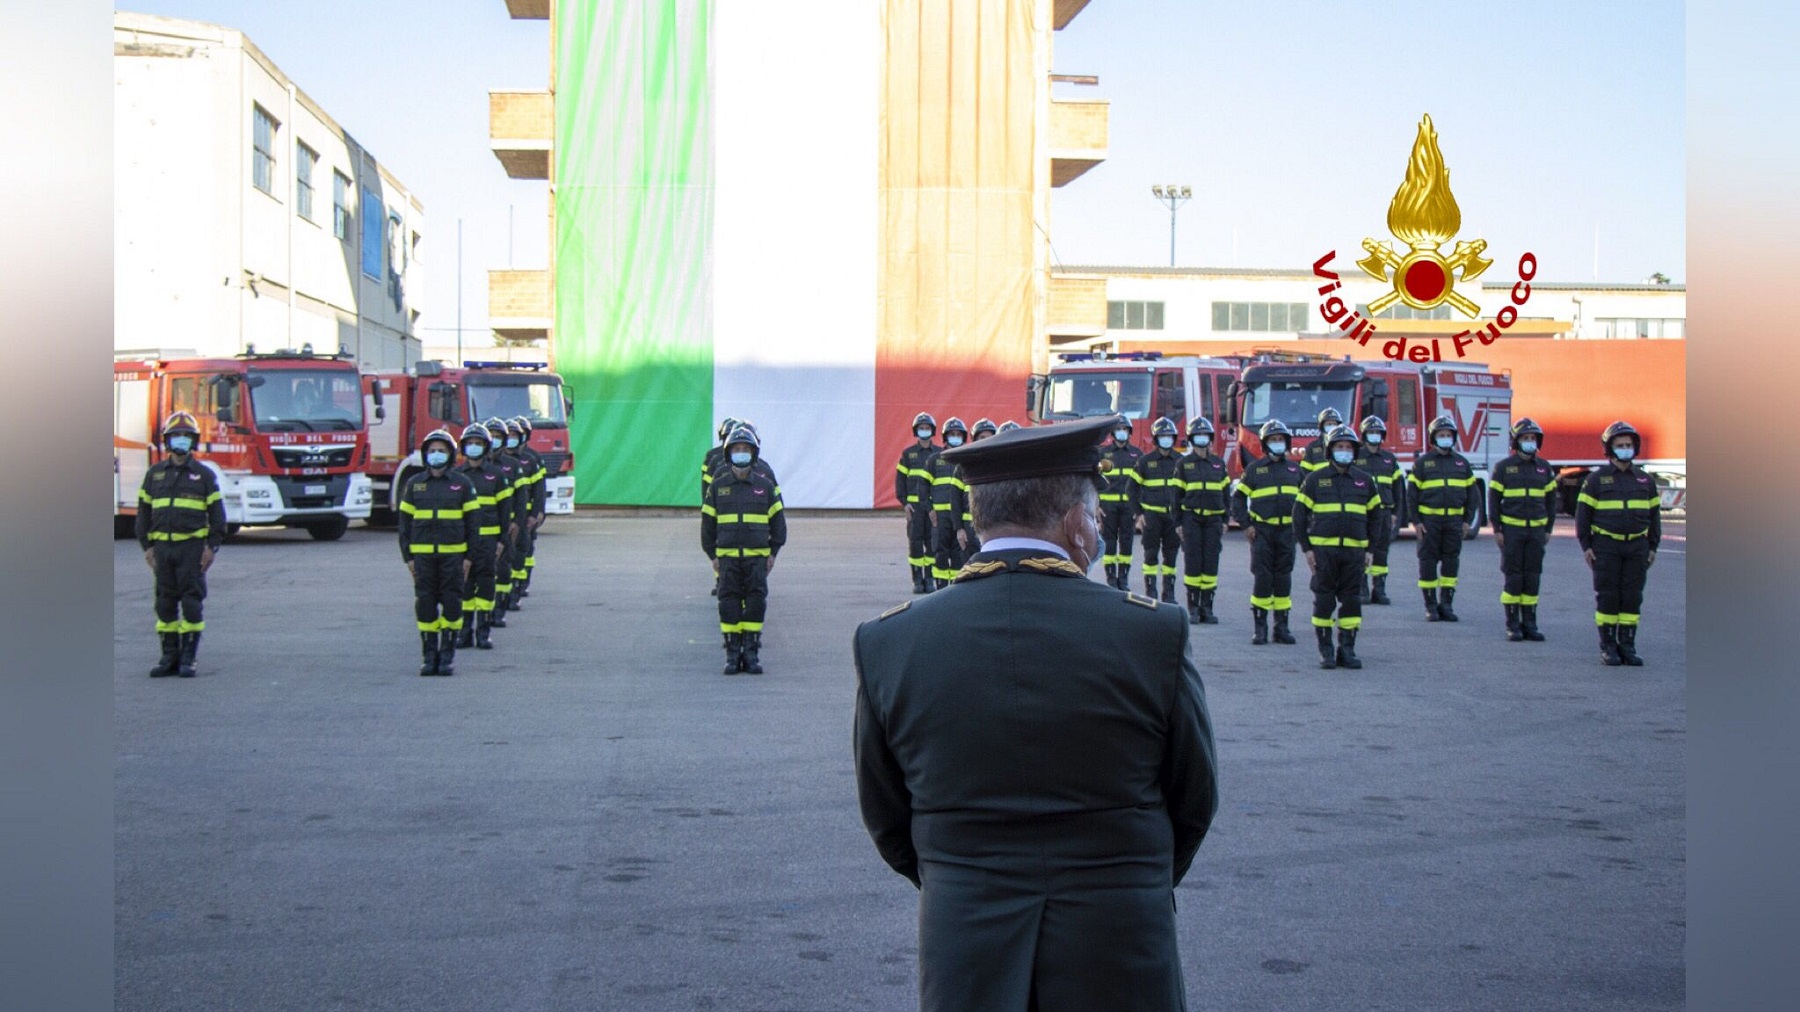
x: 1232, y: 390
x: 255, y: 381
x: 380, y: 413
x: 226, y: 416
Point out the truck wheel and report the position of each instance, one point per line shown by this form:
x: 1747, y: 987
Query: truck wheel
x: 328, y: 530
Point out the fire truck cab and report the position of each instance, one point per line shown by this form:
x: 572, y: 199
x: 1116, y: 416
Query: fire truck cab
x: 1141, y: 385
x: 433, y: 395
x: 283, y: 432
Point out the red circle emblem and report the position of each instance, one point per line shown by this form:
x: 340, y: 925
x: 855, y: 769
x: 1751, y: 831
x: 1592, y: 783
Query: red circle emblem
x: 1425, y: 280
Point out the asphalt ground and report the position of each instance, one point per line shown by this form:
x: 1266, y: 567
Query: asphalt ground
x: 591, y: 817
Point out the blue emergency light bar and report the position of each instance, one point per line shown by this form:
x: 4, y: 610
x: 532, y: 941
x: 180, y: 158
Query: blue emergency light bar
x: 1101, y: 356
x: 533, y: 366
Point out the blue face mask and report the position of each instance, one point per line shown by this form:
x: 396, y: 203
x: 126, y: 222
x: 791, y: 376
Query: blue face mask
x: 952, y: 440
x: 1165, y: 441
x: 1122, y: 435
x: 437, y: 458
x: 1342, y: 456
x: 922, y: 432
x: 740, y: 459
x: 1373, y: 439
x: 1446, y: 442
x: 1527, y: 446
x: 1625, y: 452
x: 512, y: 443
x: 473, y: 451
x: 1277, y: 449
x: 180, y: 444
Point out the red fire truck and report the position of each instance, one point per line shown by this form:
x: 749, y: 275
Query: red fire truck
x: 434, y: 395
x: 283, y: 432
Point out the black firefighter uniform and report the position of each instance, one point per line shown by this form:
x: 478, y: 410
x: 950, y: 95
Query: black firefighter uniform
x: 180, y: 514
x: 1522, y: 503
x: 1334, y: 516
x: 742, y: 526
x: 1618, y: 515
x: 439, y: 523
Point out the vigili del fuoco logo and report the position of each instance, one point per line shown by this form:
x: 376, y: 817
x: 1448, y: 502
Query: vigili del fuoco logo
x: 1424, y: 216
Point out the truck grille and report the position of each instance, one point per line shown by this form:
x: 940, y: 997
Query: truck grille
x: 299, y: 456
x: 553, y: 462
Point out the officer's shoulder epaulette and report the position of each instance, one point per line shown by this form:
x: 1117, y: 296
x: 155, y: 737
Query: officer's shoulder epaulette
x: 895, y: 610
x: 1140, y: 600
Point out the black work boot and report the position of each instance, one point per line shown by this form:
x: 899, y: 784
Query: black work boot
x: 1431, y: 603
x: 939, y: 583
x: 171, y: 655
x: 1261, y: 618
x: 918, y: 576
x: 1168, y: 594
x: 497, y: 618
x: 447, y: 651
x: 482, y: 636
x: 1528, y: 623
x: 1207, y: 615
x: 1193, y: 597
x: 1282, y: 635
x: 1327, y: 655
x: 1445, y: 596
x: 512, y: 599
x: 731, y: 653
x: 1112, y: 575
x: 428, y: 653
x: 1150, y: 587
x: 1609, y: 646
x: 1514, y: 632
x: 465, y: 637
x: 751, y: 659
x: 1346, y: 652
x: 1378, y: 590
x: 1628, y: 646
x: 190, y: 645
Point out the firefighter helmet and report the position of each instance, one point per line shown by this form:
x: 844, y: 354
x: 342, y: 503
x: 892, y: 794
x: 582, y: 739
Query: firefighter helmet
x: 984, y: 427
x: 1340, y: 434
x: 524, y: 424
x: 1008, y: 425
x: 513, y: 428
x: 924, y: 418
x: 955, y: 424
x: 476, y: 430
x: 439, y: 436
x: 725, y: 428
x: 1274, y: 427
x: 1200, y: 430
x: 746, y: 435
x: 1617, y: 429
x: 496, y: 429
x: 1328, y: 419
x: 1121, y: 422
x: 180, y: 421
x: 1373, y: 423
x: 1163, y: 427
x: 1521, y: 427
x: 1440, y: 423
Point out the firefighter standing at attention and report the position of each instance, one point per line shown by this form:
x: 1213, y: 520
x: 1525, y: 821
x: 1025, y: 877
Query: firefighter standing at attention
x: 715, y: 459
x: 984, y: 429
x: 1337, y: 508
x: 523, y: 486
x: 439, y: 523
x: 948, y: 499
x: 180, y: 526
x: 493, y: 498
x: 1384, y: 467
x: 1522, y: 503
x: 912, y: 486
x: 1118, y: 463
x: 512, y: 508
x: 1443, y: 499
x: 1316, y: 456
x: 742, y: 529
x: 1264, y: 504
x: 537, y: 475
x: 1618, y: 520
x: 1203, y: 484
x: 1156, y: 499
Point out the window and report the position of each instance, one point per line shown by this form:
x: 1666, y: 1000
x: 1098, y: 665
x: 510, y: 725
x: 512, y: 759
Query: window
x: 1408, y: 408
x: 263, y: 159
x: 1631, y: 329
x: 1169, y: 402
x: 374, y: 242
x: 305, y: 160
x: 1267, y: 317
x: 1402, y: 311
x: 1134, y: 316
x: 1086, y: 394
x: 340, y: 206
x: 1206, y: 396
x: 187, y: 393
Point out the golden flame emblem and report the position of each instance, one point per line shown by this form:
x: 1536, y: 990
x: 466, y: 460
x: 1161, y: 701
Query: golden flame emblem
x: 1424, y: 215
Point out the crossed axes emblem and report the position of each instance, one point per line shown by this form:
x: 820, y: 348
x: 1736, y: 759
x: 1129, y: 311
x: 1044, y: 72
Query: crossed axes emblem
x: 1437, y: 274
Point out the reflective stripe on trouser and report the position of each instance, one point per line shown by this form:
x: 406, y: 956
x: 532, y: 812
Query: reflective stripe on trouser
x: 180, y: 586
x: 1116, y: 533
x: 918, y: 536
x: 1337, y: 587
x: 1522, y: 563
x: 947, y: 551
x: 1200, y: 540
x: 478, y: 589
x: 437, y: 592
x: 1440, y: 551
x: 1272, y: 567
x: 1160, y: 543
x: 1381, y: 537
x: 503, y: 569
x: 743, y: 593
x: 1620, y: 568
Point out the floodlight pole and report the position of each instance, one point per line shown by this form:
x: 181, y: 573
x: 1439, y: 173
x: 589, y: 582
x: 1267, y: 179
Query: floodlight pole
x: 1174, y: 197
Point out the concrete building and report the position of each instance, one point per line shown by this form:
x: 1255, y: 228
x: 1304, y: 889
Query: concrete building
x: 244, y: 214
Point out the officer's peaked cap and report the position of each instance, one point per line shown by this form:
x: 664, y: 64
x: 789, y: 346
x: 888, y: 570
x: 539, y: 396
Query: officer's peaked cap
x: 1038, y: 452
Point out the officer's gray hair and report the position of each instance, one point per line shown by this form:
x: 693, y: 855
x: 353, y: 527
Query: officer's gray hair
x: 1035, y: 504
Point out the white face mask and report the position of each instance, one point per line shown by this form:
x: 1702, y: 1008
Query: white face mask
x: 1277, y: 449
x: 922, y: 432
x: 1163, y: 441
x: 740, y: 459
x: 1446, y: 442
x: 1342, y: 456
x: 1373, y: 439
x: 953, y: 440
x: 473, y: 451
x: 1527, y: 446
x: 1086, y: 543
x: 437, y: 458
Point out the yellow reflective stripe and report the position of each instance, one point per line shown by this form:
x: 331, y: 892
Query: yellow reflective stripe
x: 215, y: 497
x: 1274, y: 490
x: 708, y: 511
x: 1112, y: 497
x: 1516, y: 522
x: 1445, y: 512
x: 743, y: 518
x: 143, y: 496
x: 1154, y: 509
x: 777, y: 507
x: 1339, y: 543
x: 1155, y: 482
x: 1312, y: 465
x: 1335, y: 507
x: 1619, y: 504
x: 420, y: 549
x: 408, y: 508
x: 1422, y: 485
x: 941, y: 506
x: 188, y: 536
x: 487, y: 500
x: 1620, y: 537
x: 735, y: 553
x: 487, y: 530
x: 902, y: 468
x: 1272, y: 521
x: 1387, y: 479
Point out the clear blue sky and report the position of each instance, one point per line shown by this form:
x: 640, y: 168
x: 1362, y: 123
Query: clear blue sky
x: 1291, y: 119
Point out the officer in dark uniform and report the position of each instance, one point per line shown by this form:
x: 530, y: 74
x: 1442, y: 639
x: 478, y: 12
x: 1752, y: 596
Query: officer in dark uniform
x: 538, y: 475
x: 1443, y: 499
x: 1203, y: 483
x: 1156, y: 498
x: 1618, y: 519
x: 1522, y: 503
x: 439, y: 523
x: 514, y: 509
x: 1337, y: 508
x: 946, y: 507
x: 1033, y: 752
x: 180, y: 526
x: 984, y: 429
x: 1263, y: 503
x: 1384, y: 467
x: 1118, y: 524
x: 742, y: 529
x: 1316, y: 457
x: 912, y: 486
x: 492, y: 496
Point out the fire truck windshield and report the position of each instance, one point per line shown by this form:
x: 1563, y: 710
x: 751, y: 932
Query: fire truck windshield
x: 539, y: 400
x: 1087, y: 394
x: 306, y: 400
x: 1296, y: 403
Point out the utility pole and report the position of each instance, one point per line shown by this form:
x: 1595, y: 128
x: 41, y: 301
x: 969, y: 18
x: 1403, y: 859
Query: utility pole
x: 1174, y: 197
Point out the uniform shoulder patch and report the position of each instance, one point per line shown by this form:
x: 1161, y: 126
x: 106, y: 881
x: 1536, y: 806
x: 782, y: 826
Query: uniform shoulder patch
x: 1140, y: 600
x: 895, y: 610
